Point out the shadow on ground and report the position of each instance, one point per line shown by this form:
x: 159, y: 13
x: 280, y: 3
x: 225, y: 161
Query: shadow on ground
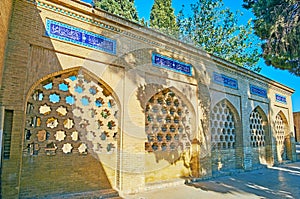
x: 274, y: 182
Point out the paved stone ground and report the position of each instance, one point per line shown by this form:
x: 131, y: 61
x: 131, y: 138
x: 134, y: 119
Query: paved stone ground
x: 275, y: 183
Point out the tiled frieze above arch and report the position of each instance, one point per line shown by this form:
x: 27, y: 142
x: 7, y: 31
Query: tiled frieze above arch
x: 280, y: 98
x: 115, y: 28
x: 259, y: 91
x: 171, y: 64
x: 71, y: 34
x: 224, y: 80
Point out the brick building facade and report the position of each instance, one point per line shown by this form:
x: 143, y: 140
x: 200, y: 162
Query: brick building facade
x: 90, y: 101
x: 297, y: 125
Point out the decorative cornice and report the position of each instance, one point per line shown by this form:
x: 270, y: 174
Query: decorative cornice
x: 242, y: 76
x: 74, y: 15
x: 275, y: 88
x: 161, y: 41
x: 259, y: 79
x: 138, y: 37
x: 268, y: 84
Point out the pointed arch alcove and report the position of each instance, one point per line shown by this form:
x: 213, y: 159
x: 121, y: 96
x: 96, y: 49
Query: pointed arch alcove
x: 71, y: 133
x: 260, y: 139
x: 282, y: 138
x: 226, y: 137
x: 170, y: 129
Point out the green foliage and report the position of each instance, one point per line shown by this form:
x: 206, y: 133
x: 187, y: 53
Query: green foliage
x: 278, y: 25
x: 162, y: 17
x: 123, y: 8
x: 215, y: 29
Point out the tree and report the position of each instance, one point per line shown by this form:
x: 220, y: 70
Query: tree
x: 162, y: 17
x: 123, y: 8
x: 278, y: 25
x: 215, y: 29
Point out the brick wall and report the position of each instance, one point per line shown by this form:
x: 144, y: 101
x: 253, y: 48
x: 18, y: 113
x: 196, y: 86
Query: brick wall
x: 297, y: 125
x: 31, y: 56
x: 61, y: 174
x: 5, y: 13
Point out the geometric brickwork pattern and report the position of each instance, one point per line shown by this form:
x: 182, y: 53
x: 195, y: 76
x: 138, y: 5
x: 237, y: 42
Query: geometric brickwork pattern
x: 70, y: 114
x: 167, y: 123
x: 280, y: 136
x: 222, y: 127
x: 279, y: 127
x: 257, y: 134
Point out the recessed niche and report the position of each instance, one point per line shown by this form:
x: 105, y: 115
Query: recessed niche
x: 220, y: 128
x: 63, y: 101
x: 164, y: 116
x: 280, y: 131
x: 256, y: 129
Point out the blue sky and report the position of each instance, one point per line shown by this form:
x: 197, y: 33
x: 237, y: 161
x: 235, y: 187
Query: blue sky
x: 283, y: 77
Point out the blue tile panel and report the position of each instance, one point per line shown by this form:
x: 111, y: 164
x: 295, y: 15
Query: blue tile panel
x: 255, y: 90
x: 280, y: 98
x: 71, y: 34
x: 225, y: 80
x: 171, y: 64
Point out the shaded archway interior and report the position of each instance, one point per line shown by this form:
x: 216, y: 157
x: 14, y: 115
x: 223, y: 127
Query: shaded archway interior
x: 71, y: 126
